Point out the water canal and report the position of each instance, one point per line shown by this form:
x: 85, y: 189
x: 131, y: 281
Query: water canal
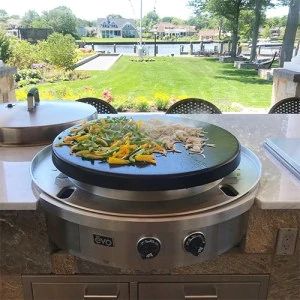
x: 172, y: 48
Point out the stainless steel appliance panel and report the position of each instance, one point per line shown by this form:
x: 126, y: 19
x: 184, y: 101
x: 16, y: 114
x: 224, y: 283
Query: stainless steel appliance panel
x: 122, y: 250
x: 199, y: 291
x: 146, y: 287
x: 80, y: 291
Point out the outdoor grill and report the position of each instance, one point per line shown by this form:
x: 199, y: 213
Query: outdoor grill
x: 34, y: 123
x: 184, y: 210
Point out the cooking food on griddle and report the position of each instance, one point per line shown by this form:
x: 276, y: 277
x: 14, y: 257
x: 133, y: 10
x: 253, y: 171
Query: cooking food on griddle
x: 123, y: 141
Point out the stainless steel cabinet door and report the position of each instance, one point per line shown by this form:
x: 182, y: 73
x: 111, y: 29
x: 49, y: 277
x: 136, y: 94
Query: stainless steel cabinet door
x: 199, y: 291
x: 80, y: 291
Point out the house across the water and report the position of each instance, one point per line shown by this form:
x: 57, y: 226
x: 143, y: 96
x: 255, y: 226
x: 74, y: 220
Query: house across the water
x: 164, y: 29
x: 208, y: 34
x: 116, y: 27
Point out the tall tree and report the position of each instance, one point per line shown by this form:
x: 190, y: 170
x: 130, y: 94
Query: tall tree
x: 4, y: 47
x: 290, y: 30
x: 259, y: 7
x: 29, y: 17
x: 3, y: 15
x: 228, y: 9
x: 61, y: 19
x: 114, y: 16
x: 255, y: 32
x: 150, y: 19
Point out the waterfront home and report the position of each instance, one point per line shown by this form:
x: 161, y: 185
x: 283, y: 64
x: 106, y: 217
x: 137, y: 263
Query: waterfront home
x: 11, y: 27
x: 208, y: 34
x: 84, y: 31
x: 116, y: 27
x: 164, y: 29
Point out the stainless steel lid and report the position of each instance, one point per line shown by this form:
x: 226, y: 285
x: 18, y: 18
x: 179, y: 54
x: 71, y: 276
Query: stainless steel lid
x: 39, y: 126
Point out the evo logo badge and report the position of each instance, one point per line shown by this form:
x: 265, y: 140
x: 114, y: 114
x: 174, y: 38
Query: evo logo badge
x: 103, y: 240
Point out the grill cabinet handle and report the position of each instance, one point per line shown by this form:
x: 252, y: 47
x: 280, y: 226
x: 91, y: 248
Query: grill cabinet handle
x: 207, y: 293
x: 200, y: 297
x: 100, y: 297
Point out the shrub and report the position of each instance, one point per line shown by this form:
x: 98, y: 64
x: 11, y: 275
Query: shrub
x: 27, y: 74
x: 161, y: 104
x: 24, y: 82
x: 4, y: 47
x: 23, y: 54
x: 107, y: 95
x: 60, y: 50
x: 161, y: 100
x: 55, y: 75
x: 142, y: 104
x: 123, y: 103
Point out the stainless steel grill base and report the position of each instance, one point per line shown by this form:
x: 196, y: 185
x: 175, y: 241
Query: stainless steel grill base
x: 78, y: 240
x: 107, y: 231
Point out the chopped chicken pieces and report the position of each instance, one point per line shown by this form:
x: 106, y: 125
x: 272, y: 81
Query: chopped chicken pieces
x: 169, y: 134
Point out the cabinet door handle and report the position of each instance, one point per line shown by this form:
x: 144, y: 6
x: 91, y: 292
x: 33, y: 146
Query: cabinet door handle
x: 100, y: 297
x: 200, y: 297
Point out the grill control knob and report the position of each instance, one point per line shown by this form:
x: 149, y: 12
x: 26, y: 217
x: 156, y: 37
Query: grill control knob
x: 148, y: 247
x: 195, y: 243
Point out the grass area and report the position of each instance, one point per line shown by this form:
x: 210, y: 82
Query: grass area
x: 142, y: 85
x: 134, y: 40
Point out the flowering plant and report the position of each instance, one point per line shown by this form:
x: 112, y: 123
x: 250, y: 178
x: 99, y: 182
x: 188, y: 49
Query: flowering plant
x: 107, y: 95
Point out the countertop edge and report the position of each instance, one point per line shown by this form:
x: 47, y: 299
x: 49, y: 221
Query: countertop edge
x: 18, y: 206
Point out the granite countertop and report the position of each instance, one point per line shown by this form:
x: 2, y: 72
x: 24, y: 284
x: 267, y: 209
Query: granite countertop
x: 279, y: 189
x: 15, y: 191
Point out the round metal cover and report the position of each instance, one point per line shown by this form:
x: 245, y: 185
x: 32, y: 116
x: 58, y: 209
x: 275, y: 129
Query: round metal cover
x: 18, y: 126
x: 172, y: 172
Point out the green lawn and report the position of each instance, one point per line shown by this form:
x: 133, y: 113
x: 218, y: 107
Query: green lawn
x: 144, y: 84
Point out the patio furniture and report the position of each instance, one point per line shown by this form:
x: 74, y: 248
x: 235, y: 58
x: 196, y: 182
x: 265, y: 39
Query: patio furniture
x: 286, y: 106
x: 102, y: 106
x: 267, y: 64
x: 193, y: 106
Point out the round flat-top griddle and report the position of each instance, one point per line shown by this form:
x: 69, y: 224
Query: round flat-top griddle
x: 172, y: 172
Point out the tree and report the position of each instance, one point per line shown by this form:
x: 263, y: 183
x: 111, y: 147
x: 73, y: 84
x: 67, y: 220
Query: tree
x: 3, y: 15
x: 247, y: 18
x: 290, y: 30
x: 150, y: 20
x: 260, y: 7
x: 60, y: 50
x: 274, y: 22
x: 114, y: 16
x: 231, y: 11
x: 227, y: 9
x: 29, y: 17
x: 23, y: 54
x: 167, y: 19
x: 173, y: 20
x: 40, y: 23
x: 61, y: 19
x: 4, y: 47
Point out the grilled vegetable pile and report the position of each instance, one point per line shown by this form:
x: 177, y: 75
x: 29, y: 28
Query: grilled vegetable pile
x: 118, y: 141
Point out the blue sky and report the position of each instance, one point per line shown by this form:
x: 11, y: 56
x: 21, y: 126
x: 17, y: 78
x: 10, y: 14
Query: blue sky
x: 93, y: 9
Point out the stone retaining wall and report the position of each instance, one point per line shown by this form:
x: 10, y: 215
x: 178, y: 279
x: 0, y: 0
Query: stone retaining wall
x: 286, y: 84
x: 7, y: 84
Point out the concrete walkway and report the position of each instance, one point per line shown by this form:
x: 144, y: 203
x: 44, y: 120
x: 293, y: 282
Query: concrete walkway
x: 100, y: 63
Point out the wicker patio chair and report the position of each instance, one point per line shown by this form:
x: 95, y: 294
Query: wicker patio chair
x: 102, y: 106
x: 286, y: 106
x: 193, y: 106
